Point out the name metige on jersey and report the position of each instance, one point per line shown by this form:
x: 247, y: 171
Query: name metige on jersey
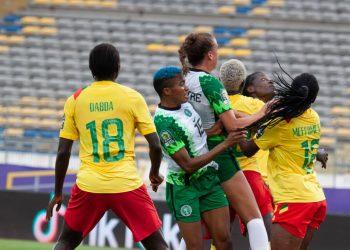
x: 195, y: 97
x: 309, y: 130
x: 101, y: 106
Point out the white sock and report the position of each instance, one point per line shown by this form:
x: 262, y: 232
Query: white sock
x: 182, y: 244
x: 257, y: 235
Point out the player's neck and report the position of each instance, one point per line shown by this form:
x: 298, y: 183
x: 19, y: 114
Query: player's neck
x: 233, y: 92
x: 169, y: 104
x: 204, y: 68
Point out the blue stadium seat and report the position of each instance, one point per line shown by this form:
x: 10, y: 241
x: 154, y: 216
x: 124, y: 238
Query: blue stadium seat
x: 12, y: 18
x: 49, y: 134
x: 222, y: 40
x: 258, y: 2
x: 243, y: 9
x: 10, y: 28
x: 31, y: 133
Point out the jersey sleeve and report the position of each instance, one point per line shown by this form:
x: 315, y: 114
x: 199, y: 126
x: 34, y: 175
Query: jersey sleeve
x: 169, y: 138
x: 68, y: 128
x: 143, y: 119
x: 268, y: 138
x: 215, y: 93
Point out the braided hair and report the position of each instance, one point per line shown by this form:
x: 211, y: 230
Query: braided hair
x: 292, y: 99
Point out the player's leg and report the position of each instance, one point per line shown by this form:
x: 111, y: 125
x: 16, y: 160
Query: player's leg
x: 316, y: 221
x: 308, y: 237
x: 217, y: 221
x: 262, y: 196
x: 241, y: 198
x: 69, y: 239
x: 83, y: 212
x: 155, y: 241
x: 192, y: 234
x: 136, y: 209
x: 282, y: 239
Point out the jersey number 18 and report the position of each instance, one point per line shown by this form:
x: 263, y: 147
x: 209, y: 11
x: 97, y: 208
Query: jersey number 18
x: 107, y: 139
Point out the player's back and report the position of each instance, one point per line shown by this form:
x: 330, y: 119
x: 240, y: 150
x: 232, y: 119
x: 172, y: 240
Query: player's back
x: 293, y: 147
x: 104, y: 116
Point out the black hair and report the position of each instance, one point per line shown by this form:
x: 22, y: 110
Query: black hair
x: 160, y: 84
x: 104, y: 62
x: 248, y: 82
x: 291, y: 99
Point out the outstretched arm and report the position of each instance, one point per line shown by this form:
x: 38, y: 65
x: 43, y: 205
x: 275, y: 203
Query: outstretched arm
x: 155, y: 154
x: 61, y: 166
x: 190, y: 165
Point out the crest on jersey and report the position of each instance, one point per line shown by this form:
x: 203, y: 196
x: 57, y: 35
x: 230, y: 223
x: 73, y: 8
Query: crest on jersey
x: 186, y: 210
x: 188, y: 112
x: 166, y: 138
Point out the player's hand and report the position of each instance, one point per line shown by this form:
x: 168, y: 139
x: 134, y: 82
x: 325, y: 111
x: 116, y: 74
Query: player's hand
x: 156, y: 179
x: 216, y: 129
x: 322, y: 156
x: 235, y: 137
x: 57, y: 199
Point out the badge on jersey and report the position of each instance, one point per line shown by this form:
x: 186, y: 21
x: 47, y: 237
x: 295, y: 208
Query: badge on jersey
x: 188, y: 112
x: 166, y: 138
x: 224, y: 97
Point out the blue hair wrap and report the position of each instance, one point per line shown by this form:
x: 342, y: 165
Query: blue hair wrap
x: 167, y: 72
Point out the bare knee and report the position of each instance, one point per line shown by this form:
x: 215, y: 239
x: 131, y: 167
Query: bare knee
x: 155, y: 242
x: 222, y: 241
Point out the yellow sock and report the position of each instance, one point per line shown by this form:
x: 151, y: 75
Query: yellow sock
x: 212, y: 247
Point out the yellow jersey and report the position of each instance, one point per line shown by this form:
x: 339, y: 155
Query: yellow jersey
x: 262, y: 158
x: 293, y: 147
x: 104, y: 116
x: 249, y: 106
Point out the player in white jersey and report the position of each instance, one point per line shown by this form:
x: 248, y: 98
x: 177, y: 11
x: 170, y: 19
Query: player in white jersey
x: 192, y: 186
x: 209, y: 98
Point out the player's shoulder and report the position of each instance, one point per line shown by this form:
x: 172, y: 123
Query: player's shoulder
x: 128, y: 92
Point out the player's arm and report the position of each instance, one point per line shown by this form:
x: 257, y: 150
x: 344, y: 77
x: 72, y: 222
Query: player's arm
x: 231, y: 122
x: 249, y: 148
x: 155, y: 154
x: 61, y: 166
x: 265, y: 139
x: 322, y: 156
x: 68, y: 134
x: 190, y: 165
x: 221, y: 105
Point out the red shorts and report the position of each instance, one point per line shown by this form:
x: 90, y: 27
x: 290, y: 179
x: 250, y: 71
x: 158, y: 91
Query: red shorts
x: 295, y: 218
x: 85, y: 209
x: 261, y: 193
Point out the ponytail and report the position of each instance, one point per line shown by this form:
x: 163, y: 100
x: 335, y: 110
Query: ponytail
x: 182, y: 57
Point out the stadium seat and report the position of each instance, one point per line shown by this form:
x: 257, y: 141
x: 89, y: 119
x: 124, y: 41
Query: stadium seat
x: 227, y: 10
x: 13, y: 132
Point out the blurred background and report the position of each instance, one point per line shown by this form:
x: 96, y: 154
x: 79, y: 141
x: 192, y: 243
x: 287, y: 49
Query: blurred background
x: 44, y: 48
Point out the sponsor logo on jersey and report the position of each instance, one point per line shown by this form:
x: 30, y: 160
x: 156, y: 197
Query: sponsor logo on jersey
x: 224, y: 97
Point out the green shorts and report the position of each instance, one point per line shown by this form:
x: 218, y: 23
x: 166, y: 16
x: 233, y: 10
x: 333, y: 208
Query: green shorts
x: 228, y: 165
x: 188, y: 202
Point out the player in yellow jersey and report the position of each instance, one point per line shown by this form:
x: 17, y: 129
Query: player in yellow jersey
x: 104, y: 116
x: 258, y: 85
x: 232, y: 75
x: 291, y: 131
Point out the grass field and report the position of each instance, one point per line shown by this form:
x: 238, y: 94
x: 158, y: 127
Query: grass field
x: 32, y: 245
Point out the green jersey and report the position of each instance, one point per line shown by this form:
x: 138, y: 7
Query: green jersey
x: 181, y: 128
x: 208, y: 97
